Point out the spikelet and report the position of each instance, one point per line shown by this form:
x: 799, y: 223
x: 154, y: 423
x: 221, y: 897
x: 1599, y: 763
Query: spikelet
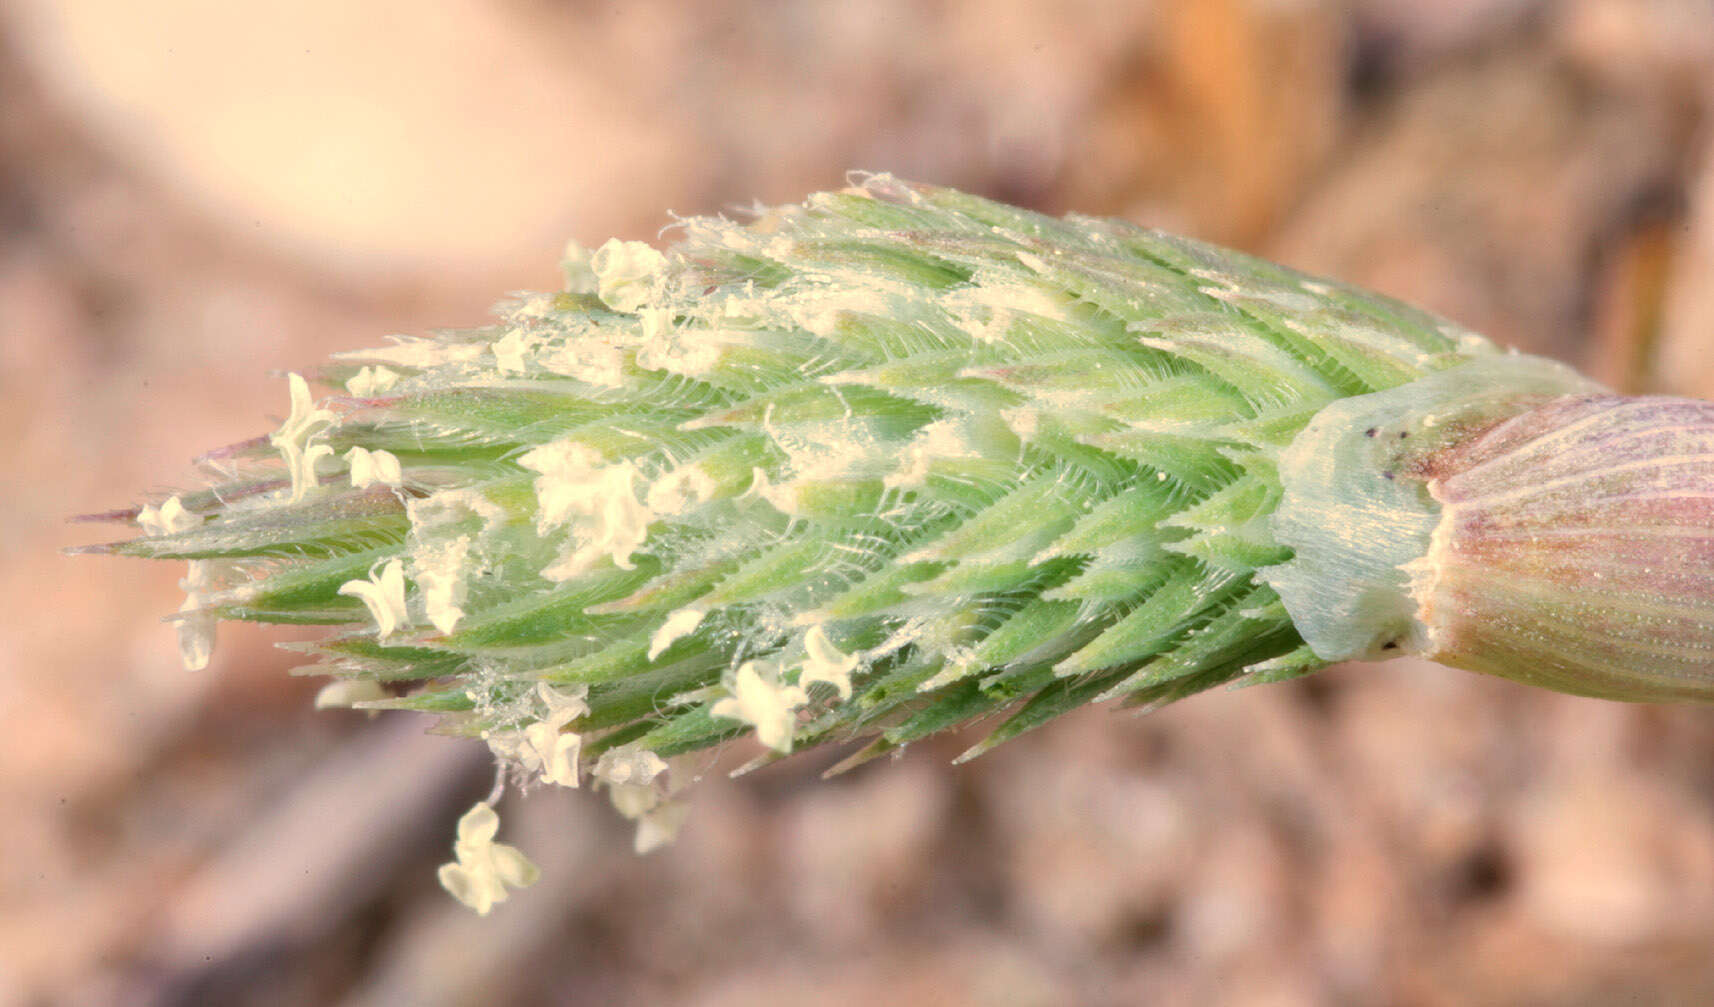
x: 896, y: 459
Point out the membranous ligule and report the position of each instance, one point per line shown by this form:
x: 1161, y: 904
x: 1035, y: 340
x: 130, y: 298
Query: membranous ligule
x: 887, y: 462
x: 1357, y: 512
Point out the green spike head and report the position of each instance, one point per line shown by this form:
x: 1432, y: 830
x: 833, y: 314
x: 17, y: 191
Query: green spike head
x: 897, y: 459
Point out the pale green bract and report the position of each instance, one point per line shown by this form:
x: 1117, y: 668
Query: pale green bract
x: 870, y: 467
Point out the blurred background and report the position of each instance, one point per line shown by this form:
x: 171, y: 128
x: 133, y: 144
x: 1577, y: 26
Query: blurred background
x: 196, y: 196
